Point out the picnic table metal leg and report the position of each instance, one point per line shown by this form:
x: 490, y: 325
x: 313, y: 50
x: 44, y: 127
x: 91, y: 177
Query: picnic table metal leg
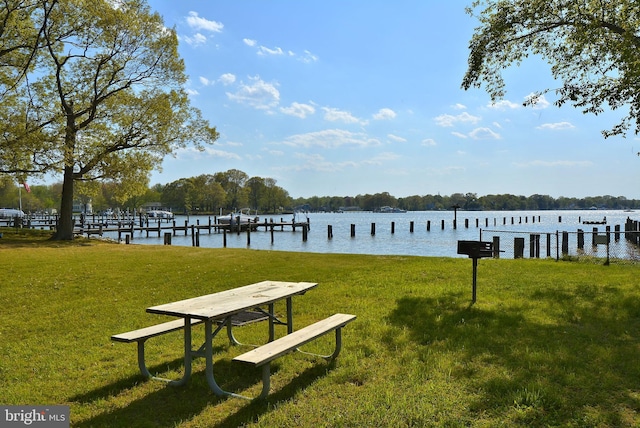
x: 272, y: 330
x: 187, y: 359
x: 289, y: 316
x: 232, y: 338
x: 336, y: 351
x: 208, y: 354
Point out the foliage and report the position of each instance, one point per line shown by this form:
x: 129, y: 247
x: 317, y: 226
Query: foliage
x: 204, y: 194
x: 104, y: 99
x: 593, y: 48
x: 546, y: 344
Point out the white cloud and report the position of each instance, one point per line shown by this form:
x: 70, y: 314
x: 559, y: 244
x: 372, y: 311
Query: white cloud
x: 266, y: 51
x: 307, y: 57
x: 195, y: 40
x: 459, y: 106
x: 447, y: 120
x: 396, y: 138
x: 192, y: 92
x: 198, y: 23
x: 484, y: 134
x: 385, y: 114
x: 331, y: 138
x: 227, y: 79
x: 298, y: 110
x: 429, y: 142
x: 559, y: 126
x: 257, y: 94
x: 380, y: 158
x: 554, y: 164
x: 504, y: 104
x: 336, y: 115
x: 538, y: 101
x: 317, y: 162
x: 191, y: 153
x: 205, y: 81
x: 459, y: 135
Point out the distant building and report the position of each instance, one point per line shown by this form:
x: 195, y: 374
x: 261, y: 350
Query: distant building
x: 83, y: 207
x: 153, y: 206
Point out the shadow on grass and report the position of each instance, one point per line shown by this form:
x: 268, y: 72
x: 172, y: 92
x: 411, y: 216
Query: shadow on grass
x: 170, y: 406
x: 259, y: 407
x: 562, y: 357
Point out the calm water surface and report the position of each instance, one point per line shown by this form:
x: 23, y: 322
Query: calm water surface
x: 436, y: 242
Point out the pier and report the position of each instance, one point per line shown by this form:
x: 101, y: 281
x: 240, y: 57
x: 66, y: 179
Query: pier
x: 128, y: 226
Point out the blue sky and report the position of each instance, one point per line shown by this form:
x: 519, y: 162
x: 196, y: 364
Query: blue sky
x: 344, y: 98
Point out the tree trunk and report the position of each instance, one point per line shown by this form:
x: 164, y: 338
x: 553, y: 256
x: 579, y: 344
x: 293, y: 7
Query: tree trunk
x: 66, y: 223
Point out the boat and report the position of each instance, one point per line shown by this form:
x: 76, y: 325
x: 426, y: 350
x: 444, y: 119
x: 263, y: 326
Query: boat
x: 604, y: 221
x: 160, y: 214
x: 387, y: 209
x: 244, y: 215
x: 11, y: 213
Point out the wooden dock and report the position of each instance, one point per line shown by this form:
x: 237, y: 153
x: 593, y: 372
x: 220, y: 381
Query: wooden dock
x: 127, y: 229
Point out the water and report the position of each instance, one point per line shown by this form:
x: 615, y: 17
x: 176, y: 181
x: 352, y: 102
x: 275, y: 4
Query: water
x: 436, y: 242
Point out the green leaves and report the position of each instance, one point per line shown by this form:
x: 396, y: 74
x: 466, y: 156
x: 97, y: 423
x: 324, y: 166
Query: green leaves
x: 593, y: 48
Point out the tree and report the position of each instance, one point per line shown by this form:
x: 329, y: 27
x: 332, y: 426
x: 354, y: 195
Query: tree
x: 593, y: 47
x: 256, y: 191
x: 105, y: 99
x: 233, y: 182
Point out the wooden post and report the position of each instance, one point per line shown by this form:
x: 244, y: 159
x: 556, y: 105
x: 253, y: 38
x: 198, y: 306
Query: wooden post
x: 353, y: 230
x: 518, y: 248
x: 428, y: 225
x: 329, y: 231
x: 248, y: 235
x: 496, y: 247
x: 580, y: 239
x: 393, y: 227
x: 411, y: 226
x: 224, y: 238
x: 373, y: 229
x: 534, y: 242
x: 167, y: 238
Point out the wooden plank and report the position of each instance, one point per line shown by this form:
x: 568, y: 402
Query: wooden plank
x: 224, y: 303
x: 288, y: 343
x: 151, y: 331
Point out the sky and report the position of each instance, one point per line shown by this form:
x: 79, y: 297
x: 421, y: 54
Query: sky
x: 346, y: 98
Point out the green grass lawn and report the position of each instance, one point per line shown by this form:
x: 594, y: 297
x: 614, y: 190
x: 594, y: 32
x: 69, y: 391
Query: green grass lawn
x: 546, y: 344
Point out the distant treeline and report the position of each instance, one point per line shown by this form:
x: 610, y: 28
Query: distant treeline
x: 234, y: 189
x: 468, y: 201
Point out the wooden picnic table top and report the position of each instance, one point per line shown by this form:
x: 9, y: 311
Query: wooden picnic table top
x: 224, y: 303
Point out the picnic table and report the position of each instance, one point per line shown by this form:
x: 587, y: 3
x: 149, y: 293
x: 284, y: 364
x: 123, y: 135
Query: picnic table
x: 217, y: 311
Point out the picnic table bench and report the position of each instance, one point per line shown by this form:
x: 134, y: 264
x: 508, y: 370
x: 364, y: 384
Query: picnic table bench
x: 265, y: 354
